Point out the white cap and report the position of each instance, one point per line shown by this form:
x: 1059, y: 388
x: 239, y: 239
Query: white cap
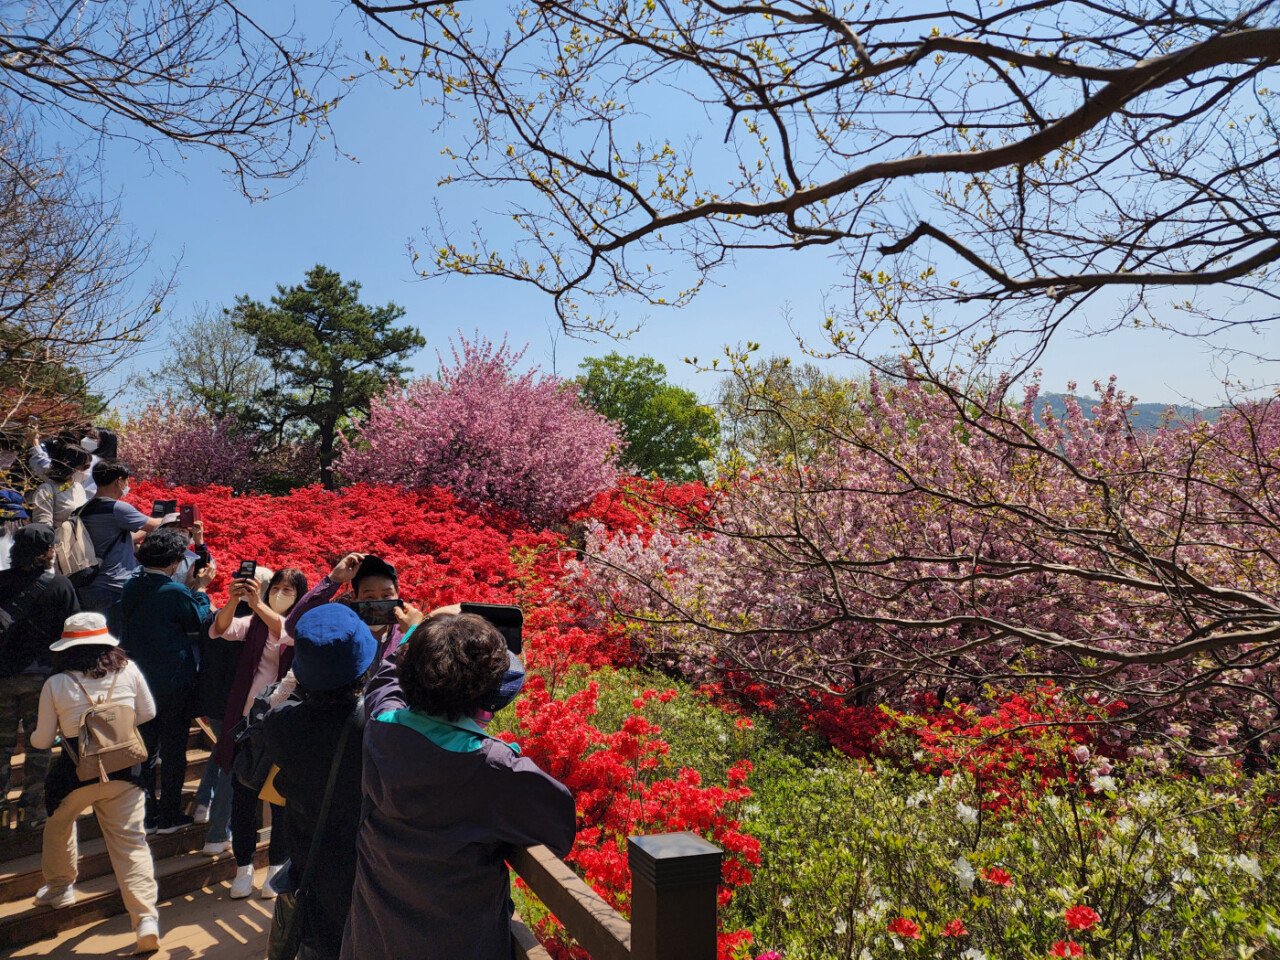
x: 84, y: 628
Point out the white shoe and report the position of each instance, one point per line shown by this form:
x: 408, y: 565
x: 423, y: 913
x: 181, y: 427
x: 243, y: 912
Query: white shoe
x: 201, y: 813
x: 148, y: 935
x: 56, y: 897
x: 214, y: 849
x: 242, y: 885
x: 268, y: 891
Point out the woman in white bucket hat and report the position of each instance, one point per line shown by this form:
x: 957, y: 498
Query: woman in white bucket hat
x: 90, y: 666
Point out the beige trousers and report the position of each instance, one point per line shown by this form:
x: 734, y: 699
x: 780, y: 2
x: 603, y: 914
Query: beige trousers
x: 120, y: 808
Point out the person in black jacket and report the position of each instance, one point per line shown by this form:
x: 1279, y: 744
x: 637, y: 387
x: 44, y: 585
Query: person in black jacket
x: 35, y: 602
x: 333, y: 651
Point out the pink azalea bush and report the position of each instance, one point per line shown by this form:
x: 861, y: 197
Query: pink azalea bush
x: 522, y: 442
x: 183, y: 446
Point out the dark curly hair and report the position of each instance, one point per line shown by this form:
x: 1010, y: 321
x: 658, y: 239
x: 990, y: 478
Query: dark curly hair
x: 92, y: 659
x: 163, y: 547
x: 450, y: 664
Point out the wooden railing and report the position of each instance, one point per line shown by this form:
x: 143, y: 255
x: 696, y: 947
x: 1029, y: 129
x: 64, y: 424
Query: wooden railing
x: 673, y: 901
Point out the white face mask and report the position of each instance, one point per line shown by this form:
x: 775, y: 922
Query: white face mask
x: 280, y: 602
x: 88, y: 445
x: 124, y: 491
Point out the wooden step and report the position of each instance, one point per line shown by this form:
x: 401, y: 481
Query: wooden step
x: 22, y: 877
x: 204, y: 924
x: 22, y: 923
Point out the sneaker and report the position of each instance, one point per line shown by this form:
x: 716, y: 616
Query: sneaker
x: 56, y: 897
x: 268, y: 891
x: 148, y: 935
x: 201, y: 813
x: 242, y: 885
x: 216, y: 848
x: 173, y: 824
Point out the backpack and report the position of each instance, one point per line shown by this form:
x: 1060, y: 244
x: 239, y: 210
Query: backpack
x: 73, y: 550
x: 109, y: 740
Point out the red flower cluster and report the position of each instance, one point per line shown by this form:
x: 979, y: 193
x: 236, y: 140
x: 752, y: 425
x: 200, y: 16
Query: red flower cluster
x: 445, y: 553
x: 1066, y: 948
x: 1081, y: 917
x: 1022, y: 739
x: 902, y: 927
x: 955, y: 928
x: 997, y: 877
x: 635, y: 504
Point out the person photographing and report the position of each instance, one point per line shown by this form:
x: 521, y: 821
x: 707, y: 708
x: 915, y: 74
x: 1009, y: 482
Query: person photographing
x: 254, y: 616
x: 374, y: 589
x: 160, y: 624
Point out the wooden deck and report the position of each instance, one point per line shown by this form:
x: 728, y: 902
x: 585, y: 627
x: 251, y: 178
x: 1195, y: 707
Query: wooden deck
x: 205, y: 924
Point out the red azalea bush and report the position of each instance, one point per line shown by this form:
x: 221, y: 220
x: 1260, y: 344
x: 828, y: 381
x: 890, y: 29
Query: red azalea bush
x: 515, y: 441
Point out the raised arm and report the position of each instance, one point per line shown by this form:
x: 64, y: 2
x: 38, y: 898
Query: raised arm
x: 325, y: 590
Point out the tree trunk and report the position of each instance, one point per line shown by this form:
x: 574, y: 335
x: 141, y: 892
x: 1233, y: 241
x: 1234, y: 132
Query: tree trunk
x: 327, y: 431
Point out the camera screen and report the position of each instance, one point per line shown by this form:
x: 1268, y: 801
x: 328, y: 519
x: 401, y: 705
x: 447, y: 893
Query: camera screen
x: 377, y: 613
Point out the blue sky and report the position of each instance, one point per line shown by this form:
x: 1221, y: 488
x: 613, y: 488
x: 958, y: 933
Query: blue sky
x: 357, y: 217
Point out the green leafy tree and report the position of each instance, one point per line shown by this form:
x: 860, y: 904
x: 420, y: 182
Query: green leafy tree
x: 779, y: 411
x: 668, y: 431
x: 331, y: 354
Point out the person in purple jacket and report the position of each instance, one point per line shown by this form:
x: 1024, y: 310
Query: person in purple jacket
x: 371, y: 578
x: 444, y: 801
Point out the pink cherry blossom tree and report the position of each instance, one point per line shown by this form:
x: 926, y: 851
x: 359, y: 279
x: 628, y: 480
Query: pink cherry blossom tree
x: 184, y: 446
x: 523, y: 442
x: 951, y: 540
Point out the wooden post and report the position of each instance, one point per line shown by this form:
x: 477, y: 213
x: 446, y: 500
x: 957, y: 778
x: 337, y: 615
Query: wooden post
x: 674, y: 877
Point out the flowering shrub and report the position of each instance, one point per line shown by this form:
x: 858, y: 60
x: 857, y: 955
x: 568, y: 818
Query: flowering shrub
x: 495, y: 437
x: 182, y: 446
x: 623, y: 784
x: 875, y: 862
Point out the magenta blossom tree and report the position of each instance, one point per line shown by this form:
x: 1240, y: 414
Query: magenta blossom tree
x: 184, y: 446
x: 523, y: 442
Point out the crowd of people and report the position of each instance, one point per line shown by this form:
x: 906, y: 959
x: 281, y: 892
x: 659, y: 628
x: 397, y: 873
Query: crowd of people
x: 356, y: 719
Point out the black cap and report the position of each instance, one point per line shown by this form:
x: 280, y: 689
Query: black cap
x: 372, y: 566
x: 31, y: 541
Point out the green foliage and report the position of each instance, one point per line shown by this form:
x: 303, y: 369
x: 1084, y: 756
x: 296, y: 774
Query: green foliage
x: 1183, y: 869
x: 782, y: 412
x: 330, y: 354
x: 668, y: 431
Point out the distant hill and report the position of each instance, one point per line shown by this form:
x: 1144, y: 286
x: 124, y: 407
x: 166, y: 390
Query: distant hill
x: 1145, y: 416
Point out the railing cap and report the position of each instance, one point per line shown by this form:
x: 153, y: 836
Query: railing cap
x: 674, y: 859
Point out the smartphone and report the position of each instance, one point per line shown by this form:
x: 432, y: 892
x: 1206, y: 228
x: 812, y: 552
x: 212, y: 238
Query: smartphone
x: 247, y: 570
x: 162, y: 508
x: 377, y: 613
x: 508, y: 618
x: 188, y: 514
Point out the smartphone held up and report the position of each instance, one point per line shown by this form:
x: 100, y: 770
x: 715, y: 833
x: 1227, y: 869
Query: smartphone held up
x: 377, y: 613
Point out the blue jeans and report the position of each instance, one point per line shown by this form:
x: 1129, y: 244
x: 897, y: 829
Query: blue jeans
x: 215, y: 793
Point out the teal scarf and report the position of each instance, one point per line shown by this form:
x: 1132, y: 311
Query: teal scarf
x: 456, y: 736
